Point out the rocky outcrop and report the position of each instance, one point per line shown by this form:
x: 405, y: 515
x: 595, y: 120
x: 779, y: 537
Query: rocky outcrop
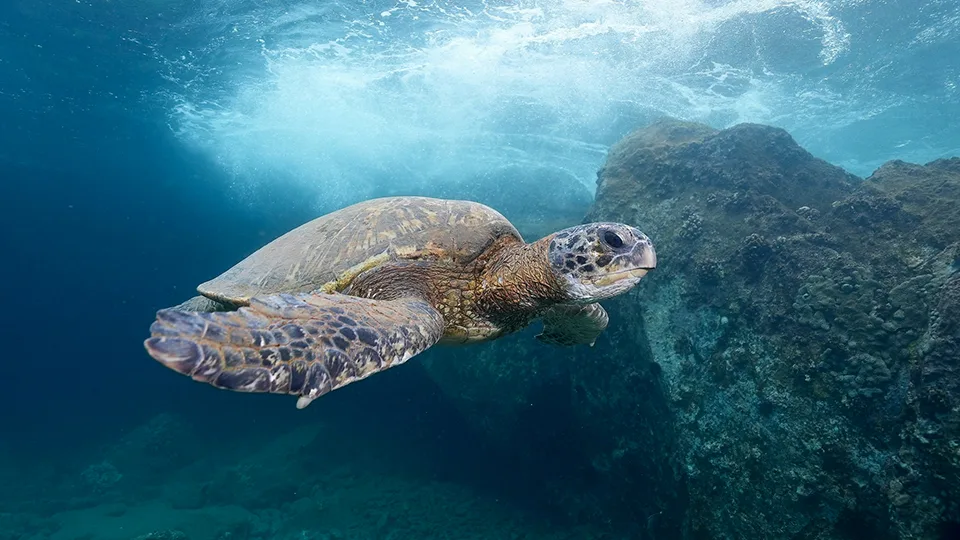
x: 799, y: 320
x: 791, y: 368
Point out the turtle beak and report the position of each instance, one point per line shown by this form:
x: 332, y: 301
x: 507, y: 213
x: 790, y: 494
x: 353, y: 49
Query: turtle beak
x: 644, y: 256
x: 633, y: 265
x: 614, y: 277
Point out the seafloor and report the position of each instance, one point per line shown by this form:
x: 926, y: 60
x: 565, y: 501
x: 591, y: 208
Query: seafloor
x: 790, y: 370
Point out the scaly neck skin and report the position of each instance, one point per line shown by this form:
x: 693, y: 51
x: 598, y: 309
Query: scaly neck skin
x: 517, y: 284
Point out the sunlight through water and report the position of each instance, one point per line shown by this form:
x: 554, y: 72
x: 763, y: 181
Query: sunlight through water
x: 367, y: 98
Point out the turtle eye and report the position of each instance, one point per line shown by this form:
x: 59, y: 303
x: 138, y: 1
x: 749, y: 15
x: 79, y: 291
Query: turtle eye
x: 612, y: 239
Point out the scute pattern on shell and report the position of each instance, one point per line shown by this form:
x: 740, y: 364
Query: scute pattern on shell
x: 317, y: 252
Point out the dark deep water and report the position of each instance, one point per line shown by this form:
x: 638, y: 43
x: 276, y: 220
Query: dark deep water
x: 145, y: 149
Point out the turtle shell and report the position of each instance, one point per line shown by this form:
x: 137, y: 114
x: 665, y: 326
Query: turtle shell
x: 375, y: 231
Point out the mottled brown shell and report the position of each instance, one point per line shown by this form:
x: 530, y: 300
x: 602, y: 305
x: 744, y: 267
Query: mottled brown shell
x: 367, y: 233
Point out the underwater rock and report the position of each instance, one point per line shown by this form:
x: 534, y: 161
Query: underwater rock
x: 810, y: 401
x: 928, y: 194
x: 902, y: 215
x: 790, y: 370
x: 101, y: 476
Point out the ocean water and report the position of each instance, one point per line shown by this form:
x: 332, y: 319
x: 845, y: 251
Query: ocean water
x: 147, y: 146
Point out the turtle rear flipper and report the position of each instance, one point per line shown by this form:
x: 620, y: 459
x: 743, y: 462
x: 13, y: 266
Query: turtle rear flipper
x: 299, y: 344
x: 202, y: 303
x: 569, y: 324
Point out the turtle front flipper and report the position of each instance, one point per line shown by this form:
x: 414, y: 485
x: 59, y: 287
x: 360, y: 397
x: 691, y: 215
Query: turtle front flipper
x: 569, y: 324
x: 300, y: 344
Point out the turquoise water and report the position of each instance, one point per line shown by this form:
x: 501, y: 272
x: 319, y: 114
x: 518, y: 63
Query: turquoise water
x: 146, y: 147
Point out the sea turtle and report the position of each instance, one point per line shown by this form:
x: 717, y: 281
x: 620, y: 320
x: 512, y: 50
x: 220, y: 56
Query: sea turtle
x: 371, y: 285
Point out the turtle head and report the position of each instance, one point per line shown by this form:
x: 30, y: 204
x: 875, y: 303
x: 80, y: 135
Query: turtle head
x: 596, y: 261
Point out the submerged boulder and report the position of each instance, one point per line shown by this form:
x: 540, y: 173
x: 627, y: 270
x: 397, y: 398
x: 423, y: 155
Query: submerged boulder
x: 799, y: 317
x: 790, y: 370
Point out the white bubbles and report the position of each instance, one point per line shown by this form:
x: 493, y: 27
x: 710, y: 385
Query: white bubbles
x: 357, y: 99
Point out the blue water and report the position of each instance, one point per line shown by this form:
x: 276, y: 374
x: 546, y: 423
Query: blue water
x: 147, y: 146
